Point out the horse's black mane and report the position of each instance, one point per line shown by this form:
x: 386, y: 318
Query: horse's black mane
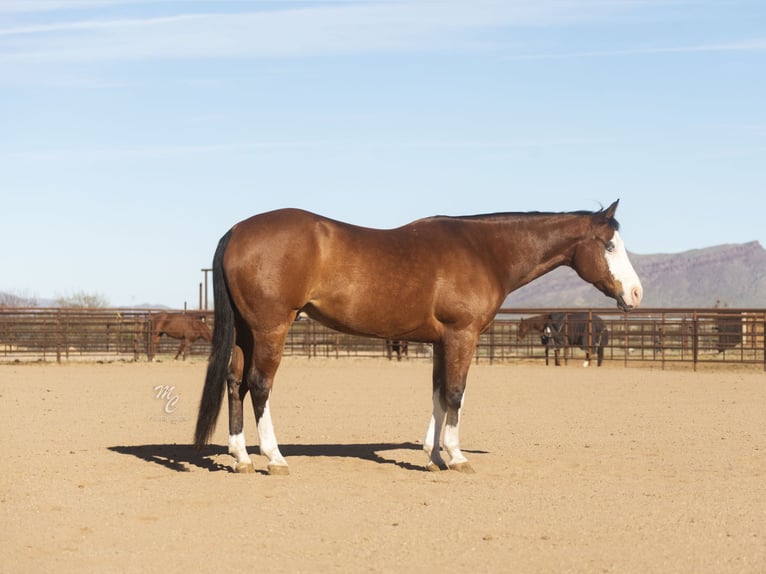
x: 613, y: 223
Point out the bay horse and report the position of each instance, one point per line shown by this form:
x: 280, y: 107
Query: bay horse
x: 187, y: 327
x: 559, y: 330
x: 437, y: 280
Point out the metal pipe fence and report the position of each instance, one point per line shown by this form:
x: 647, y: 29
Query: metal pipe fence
x: 659, y: 337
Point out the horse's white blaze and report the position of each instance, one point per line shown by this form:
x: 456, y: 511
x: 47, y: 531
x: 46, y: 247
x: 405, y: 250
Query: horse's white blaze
x: 622, y: 270
x: 238, y: 448
x: 267, y: 438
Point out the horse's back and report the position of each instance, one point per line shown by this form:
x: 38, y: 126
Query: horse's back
x: 397, y: 283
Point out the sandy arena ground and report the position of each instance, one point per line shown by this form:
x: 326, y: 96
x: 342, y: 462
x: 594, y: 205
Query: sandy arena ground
x: 577, y: 470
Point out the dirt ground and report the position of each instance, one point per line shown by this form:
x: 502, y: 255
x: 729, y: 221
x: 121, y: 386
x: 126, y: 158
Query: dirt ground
x: 577, y: 470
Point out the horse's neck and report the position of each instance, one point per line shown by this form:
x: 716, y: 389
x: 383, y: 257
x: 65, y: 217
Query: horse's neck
x: 554, y: 237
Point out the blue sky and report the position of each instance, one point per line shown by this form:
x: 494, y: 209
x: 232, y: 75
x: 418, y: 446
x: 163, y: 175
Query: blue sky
x: 135, y: 133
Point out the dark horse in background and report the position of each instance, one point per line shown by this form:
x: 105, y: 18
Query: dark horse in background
x: 438, y: 280
x: 398, y: 347
x: 187, y: 327
x: 558, y: 330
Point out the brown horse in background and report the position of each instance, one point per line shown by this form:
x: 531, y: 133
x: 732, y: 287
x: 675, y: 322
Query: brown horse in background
x: 559, y: 330
x: 187, y: 327
x: 438, y: 280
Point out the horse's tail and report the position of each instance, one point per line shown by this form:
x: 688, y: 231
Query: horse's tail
x: 220, y: 354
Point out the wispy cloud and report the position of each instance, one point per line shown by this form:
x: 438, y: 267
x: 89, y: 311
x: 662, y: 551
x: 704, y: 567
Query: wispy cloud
x: 153, y: 152
x: 293, y: 30
x: 508, y: 144
x: 150, y: 153
x: 757, y: 45
x: 40, y: 6
x: 90, y: 26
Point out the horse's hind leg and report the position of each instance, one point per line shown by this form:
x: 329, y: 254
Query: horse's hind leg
x: 154, y: 346
x: 268, y: 441
x: 237, y: 392
x: 267, y: 355
x: 181, y: 349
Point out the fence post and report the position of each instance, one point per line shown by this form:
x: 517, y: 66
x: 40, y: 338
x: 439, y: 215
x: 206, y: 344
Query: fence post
x: 136, y: 336
x: 662, y: 341
x: 337, y: 346
x: 695, y: 342
x: 492, y: 344
x: 58, y: 336
x: 312, y: 339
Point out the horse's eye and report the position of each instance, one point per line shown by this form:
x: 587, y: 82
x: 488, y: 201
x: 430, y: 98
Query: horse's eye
x: 609, y: 247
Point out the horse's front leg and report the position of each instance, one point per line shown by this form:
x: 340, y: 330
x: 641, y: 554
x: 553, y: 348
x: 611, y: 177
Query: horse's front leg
x: 451, y: 362
x: 457, y: 461
x: 432, y: 442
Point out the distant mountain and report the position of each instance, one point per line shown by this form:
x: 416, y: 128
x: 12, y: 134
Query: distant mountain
x: 734, y: 274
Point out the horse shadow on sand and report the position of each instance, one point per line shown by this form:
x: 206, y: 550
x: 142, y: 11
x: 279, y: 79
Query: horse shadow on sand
x: 184, y: 457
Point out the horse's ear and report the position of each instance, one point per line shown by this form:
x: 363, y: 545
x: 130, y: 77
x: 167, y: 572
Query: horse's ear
x: 610, y: 211
x: 606, y: 216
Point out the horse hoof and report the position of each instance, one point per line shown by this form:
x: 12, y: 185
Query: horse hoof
x: 433, y: 467
x: 586, y: 364
x: 244, y: 468
x: 278, y: 470
x: 464, y: 467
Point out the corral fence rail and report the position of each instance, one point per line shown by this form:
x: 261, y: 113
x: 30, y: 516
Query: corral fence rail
x: 660, y: 336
